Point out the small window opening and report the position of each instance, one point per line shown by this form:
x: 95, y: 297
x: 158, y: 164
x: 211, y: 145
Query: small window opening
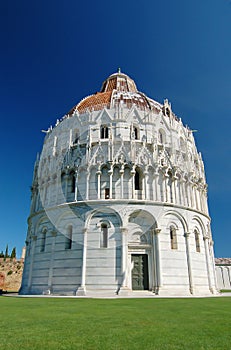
x: 136, y: 133
x: 137, y: 181
x: 104, y: 132
x: 107, y: 193
x: 68, y: 242
x: 104, y: 236
x: 138, y: 184
x: 161, y: 137
x: 43, y: 241
x: 76, y: 138
x: 72, y: 176
x: 173, y: 237
x: 197, y: 241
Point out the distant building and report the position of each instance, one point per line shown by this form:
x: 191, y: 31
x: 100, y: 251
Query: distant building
x: 119, y: 201
x: 223, y: 273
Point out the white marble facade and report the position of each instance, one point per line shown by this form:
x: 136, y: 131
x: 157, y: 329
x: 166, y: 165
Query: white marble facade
x: 223, y: 273
x: 119, y: 201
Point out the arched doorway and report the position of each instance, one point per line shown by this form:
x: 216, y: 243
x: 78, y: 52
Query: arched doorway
x: 141, y: 250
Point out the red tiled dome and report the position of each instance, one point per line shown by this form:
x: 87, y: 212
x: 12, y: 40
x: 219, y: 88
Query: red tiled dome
x: 117, y: 89
x: 120, y: 82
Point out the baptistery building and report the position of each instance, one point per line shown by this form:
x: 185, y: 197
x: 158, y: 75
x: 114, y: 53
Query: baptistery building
x: 119, y: 201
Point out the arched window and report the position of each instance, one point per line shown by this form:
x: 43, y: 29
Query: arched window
x: 135, y: 133
x: 63, y: 183
x: 173, y: 237
x: 104, y: 132
x: 104, y: 236
x: 68, y: 241
x: 197, y: 241
x: 43, y: 240
x: 161, y: 137
x: 72, y: 181
x: 138, y: 180
x: 76, y: 136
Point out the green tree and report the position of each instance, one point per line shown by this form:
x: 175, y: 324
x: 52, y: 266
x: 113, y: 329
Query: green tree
x: 6, y: 252
x: 2, y: 254
x: 13, y: 253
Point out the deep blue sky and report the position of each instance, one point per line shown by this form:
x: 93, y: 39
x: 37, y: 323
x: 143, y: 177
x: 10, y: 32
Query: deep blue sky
x: 55, y: 52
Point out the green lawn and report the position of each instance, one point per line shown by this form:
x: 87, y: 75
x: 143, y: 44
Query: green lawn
x: 49, y: 323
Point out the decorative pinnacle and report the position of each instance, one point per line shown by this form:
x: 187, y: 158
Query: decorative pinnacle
x: 119, y: 70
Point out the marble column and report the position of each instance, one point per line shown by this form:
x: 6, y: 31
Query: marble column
x: 154, y: 272
x: 213, y: 263
x: 156, y: 261
x: 174, y: 189
x: 87, y: 184
x: 146, y: 196
x: 192, y: 187
x: 98, y: 185
x: 156, y: 191
x: 124, y: 259
x: 110, y: 172
x: 58, y: 186
x: 202, y: 196
x: 48, y: 192
x: 122, y: 182
x: 206, y: 238
x: 50, y: 277
x: 82, y: 289
x: 133, y: 182
x: 206, y: 202
x: 183, y: 194
x: 32, y: 253
x: 189, y: 263
x: 37, y: 200
x: 165, y: 189
x: 178, y: 190
x: 189, y: 193
x: 197, y: 197
x: 76, y: 185
x: 65, y: 185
